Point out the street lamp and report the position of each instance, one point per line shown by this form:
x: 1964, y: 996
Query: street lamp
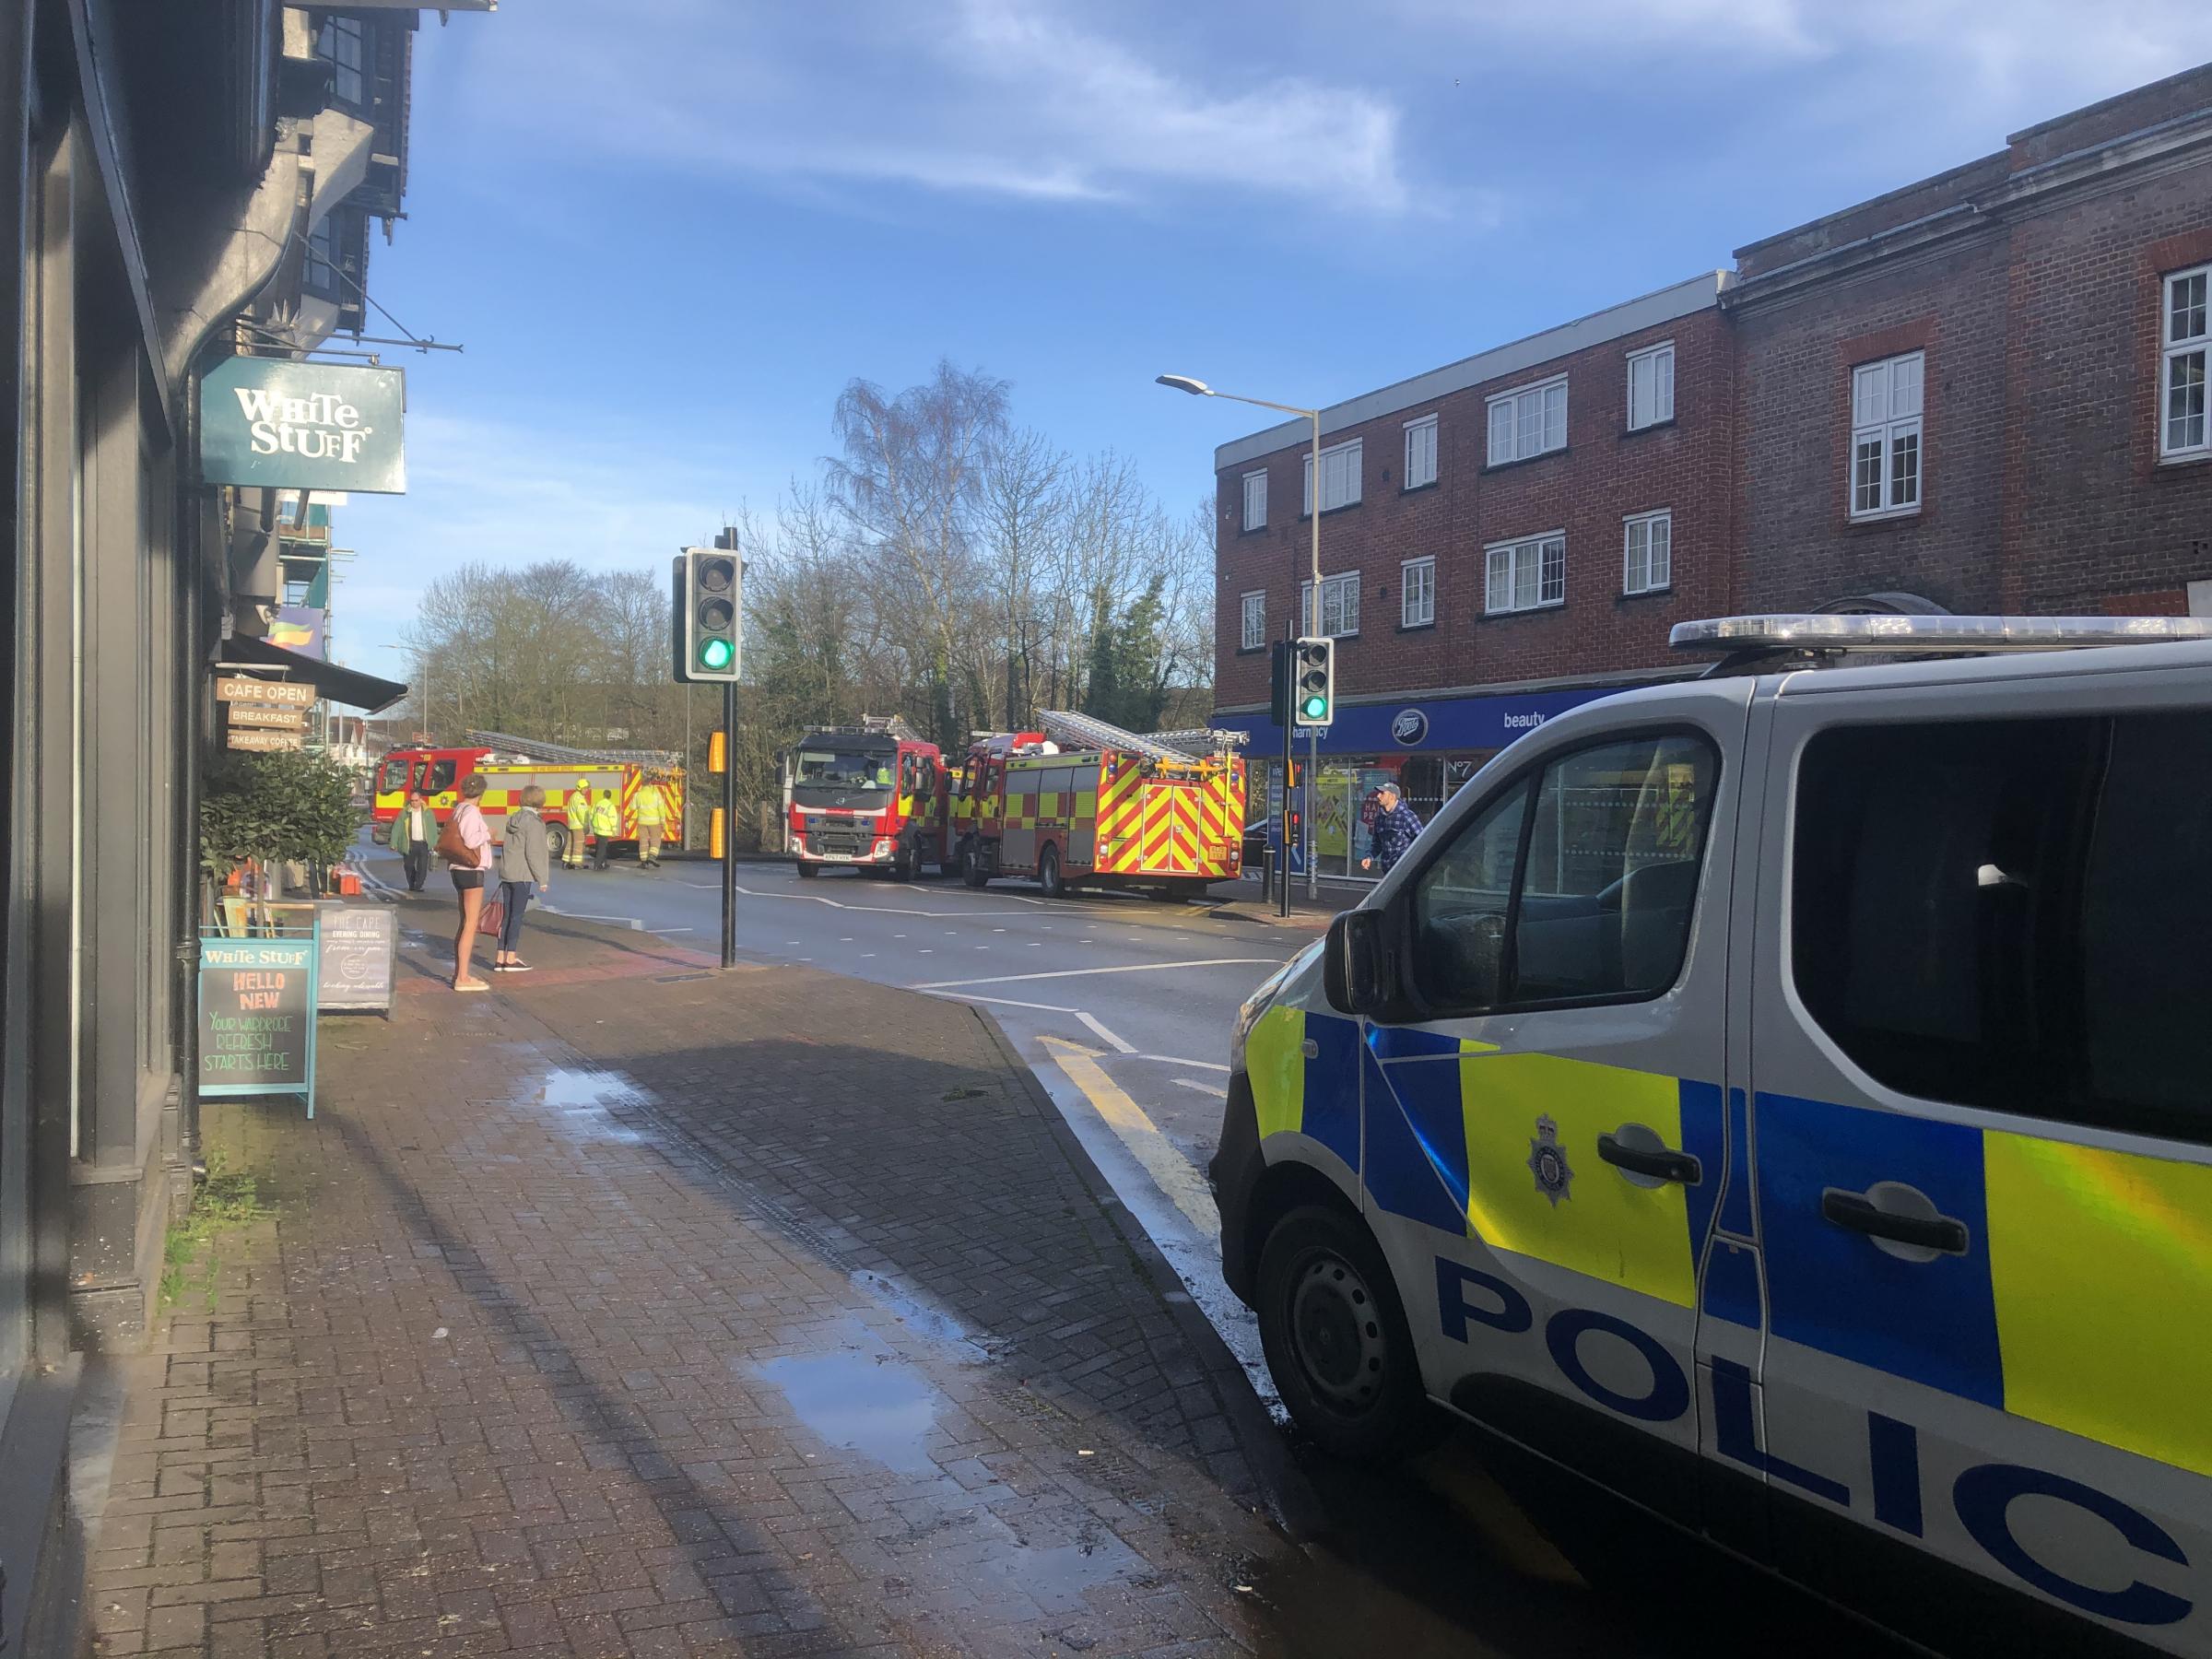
x: 1198, y: 388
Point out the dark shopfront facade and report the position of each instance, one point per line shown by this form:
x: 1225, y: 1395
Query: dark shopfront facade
x: 1429, y: 744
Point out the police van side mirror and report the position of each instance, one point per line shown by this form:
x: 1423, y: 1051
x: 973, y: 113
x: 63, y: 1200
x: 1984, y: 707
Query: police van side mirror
x: 1359, y: 965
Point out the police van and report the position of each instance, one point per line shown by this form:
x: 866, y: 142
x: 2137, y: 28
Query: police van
x: 1784, y: 1098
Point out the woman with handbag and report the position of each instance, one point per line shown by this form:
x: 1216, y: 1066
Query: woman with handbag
x: 465, y: 844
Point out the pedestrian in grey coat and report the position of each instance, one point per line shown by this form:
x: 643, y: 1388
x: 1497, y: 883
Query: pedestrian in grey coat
x: 525, y: 861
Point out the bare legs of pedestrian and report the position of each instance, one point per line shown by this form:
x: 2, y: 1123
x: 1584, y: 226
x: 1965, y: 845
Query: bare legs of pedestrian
x: 465, y: 942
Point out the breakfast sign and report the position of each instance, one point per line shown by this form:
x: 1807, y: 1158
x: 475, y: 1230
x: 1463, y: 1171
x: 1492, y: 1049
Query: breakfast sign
x: 257, y: 1016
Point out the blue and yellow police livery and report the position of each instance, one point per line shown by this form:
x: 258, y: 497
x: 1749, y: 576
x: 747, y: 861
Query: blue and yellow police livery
x: 1786, y: 1098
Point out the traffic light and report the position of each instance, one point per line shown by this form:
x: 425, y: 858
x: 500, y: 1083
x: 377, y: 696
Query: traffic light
x: 1313, y: 682
x: 710, y: 607
x: 1278, y: 683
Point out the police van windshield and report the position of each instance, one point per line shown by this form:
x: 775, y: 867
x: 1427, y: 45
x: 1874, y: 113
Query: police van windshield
x: 860, y: 775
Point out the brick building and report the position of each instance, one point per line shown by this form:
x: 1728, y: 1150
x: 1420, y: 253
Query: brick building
x: 1984, y: 391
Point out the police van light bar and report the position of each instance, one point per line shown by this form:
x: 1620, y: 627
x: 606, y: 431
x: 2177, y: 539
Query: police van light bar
x: 1896, y: 635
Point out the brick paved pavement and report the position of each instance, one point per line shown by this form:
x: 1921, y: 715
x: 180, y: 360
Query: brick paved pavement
x: 638, y: 1310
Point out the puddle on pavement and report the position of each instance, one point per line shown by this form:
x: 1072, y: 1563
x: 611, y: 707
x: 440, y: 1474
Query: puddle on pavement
x: 871, y: 1403
x: 864, y: 1401
x: 922, y: 1319
x: 579, y: 1103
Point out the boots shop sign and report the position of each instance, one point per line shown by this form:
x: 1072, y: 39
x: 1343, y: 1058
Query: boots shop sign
x: 303, y: 426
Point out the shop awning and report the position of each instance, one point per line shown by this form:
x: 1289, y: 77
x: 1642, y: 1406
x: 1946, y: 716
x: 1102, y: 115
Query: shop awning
x: 347, y: 685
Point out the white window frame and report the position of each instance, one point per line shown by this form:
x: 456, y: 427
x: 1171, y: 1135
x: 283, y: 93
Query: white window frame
x: 1342, y: 590
x: 1526, y: 436
x: 1420, y: 572
x: 1877, y: 391
x: 1657, y: 534
x: 1351, y: 455
x: 2183, y: 352
x: 1249, y: 638
x: 1421, y: 447
x: 1661, y: 360
x: 1523, y: 555
x: 1259, y: 477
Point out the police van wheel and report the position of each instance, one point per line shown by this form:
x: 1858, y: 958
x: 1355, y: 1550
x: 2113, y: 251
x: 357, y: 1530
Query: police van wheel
x: 1336, y: 1340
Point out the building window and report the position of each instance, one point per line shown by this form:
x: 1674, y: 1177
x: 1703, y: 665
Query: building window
x: 1526, y: 575
x: 1652, y: 387
x: 1420, y: 451
x: 1531, y: 421
x: 1340, y: 603
x: 1885, y: 436
x: 1648, y: 553
x: 1256, y: 499
x: 2182, y: 430
x: 340, y: 46
x: 1416, y: 603
x: 1254, y: 634
x: 1340, y: 478
x: 318, y: 273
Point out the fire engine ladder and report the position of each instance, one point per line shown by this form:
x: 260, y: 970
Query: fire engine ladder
x: 529, y: 748
x: 1087, y: 731
x: 1198, y: 741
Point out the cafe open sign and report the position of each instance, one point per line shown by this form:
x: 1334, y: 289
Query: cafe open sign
x: 257, y: 1016
x: 303, y: 426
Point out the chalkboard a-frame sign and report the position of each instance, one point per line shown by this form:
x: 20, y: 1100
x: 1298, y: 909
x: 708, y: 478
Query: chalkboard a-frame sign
x: 257, y: 1016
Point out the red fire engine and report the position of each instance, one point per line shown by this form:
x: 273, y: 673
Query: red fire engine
x: 1084, y: 801
x: 867, y: 797
x: 510, y: 764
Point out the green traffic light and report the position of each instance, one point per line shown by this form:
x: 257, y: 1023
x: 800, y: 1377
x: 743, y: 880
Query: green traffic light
x: 715, y: 654
x: 1316, y: 707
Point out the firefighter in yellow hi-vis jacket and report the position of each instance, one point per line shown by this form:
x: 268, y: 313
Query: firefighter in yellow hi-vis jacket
x: 578, y: 812
x: 651, y: 808
x: 606, y: 824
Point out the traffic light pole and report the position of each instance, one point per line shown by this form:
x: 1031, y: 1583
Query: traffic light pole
x: 1282, y: 899
x: 1314, y: 747
x: 729, y: 825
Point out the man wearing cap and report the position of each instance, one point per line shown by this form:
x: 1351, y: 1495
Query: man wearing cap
x: 1396, y: 826
x: 577, y: 810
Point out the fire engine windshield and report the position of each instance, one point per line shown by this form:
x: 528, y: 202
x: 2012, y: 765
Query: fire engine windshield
x: 862, y: 777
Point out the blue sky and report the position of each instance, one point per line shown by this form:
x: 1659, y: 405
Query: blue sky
x: 668, y: 231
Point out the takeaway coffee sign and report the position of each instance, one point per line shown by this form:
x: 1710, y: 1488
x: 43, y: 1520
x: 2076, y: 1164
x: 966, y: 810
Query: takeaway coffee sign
x: 303, y: 426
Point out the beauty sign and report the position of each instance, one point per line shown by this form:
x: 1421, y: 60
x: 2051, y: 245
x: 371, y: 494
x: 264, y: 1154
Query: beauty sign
x: 303, y: 426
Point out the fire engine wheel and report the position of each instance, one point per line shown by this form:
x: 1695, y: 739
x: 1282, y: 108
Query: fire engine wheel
x: 1048, y: 874
x: 557, y: 841
x: 906, y: 863
x: 971, y: 864
x: 807, y: 872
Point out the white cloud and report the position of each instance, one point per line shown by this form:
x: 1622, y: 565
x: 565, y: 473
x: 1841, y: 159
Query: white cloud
x: 985, y: 96
x: 1974, y: 49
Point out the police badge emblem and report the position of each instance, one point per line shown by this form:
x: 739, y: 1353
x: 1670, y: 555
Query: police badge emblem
x: 1548, y: 1162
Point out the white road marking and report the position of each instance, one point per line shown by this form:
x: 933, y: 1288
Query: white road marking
x: 1106, y: 1036
x: 1204, y: 1089
x: 1179, y: 1060
x: 1003, y: 1002
x: 1008, y: 979
x: 629, y: 921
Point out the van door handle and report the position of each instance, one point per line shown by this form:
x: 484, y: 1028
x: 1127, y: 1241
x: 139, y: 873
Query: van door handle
x: 1664, y: 1164
x: 1860, y: 1215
